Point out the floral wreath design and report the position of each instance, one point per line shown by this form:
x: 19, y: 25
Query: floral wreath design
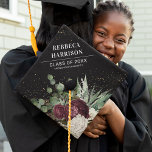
x: 85, y: 104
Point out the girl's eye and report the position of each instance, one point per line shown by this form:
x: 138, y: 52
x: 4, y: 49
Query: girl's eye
x: 121, y: 41
x: 102, y: 34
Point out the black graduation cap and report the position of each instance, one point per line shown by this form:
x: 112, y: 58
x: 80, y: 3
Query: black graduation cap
x: 59, y: 12
x: 72, y: 3
x: 67, y: 11
x: 69, y: 62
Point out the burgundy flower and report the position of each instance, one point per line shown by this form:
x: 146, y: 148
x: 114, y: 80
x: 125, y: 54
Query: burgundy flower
x: 74, y: 111
x: 78, y: 106
x: 59, y: 111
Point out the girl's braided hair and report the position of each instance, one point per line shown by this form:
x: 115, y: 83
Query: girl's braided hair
x: 114, y: 5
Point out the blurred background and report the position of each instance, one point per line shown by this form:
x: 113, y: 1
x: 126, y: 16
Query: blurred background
x: 14, y: 32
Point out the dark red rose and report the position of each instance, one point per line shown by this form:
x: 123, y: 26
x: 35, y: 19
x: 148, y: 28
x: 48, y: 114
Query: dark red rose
x: 59, y: 111
x: 78, y: 106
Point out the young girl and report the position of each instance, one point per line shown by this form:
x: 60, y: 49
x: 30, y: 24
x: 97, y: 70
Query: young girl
x: 30, y: 130
x: 128, y: 112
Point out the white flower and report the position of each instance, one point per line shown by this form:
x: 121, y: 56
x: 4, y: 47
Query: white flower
x: 92, y: 114
x: 78, y: 125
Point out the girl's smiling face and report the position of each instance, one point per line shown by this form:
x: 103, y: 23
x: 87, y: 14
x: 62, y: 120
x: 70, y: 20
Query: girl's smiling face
x: 111, y: 35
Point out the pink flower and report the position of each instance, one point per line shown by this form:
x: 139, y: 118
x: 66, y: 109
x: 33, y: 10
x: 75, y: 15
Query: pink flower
x: 59, y: 111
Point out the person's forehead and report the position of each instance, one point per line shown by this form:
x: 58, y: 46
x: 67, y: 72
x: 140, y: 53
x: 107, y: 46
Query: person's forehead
x: 112, y: 16
x: 110, y: 19
x: 115, y: 22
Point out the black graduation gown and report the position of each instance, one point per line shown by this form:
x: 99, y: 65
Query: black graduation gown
x: 30, y: 130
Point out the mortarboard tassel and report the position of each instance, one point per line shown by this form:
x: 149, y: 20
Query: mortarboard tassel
x: 32, y: 29
x: 69, y: 121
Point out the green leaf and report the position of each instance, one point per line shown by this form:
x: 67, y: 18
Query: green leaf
x: 92, y: 93
x: 50, y: 77
x: 65, y: 96
x: 54, y: 101
x: 61, y: 101
x: 49, y: 90
x: 41, y: 102
x: 35, y: 103
x: 85, y: 84
x: 39, y: 106
x: 52, y: 82
x: 44, y: 109
x: 75, y: 98
x: 55, y: 95
x: 86, y: 96
x: 84, y: 91
x: 95, y: 107
x: 101, y: 101
x: 60, y: 87
x: 78, y: 89
x: 49, y: 107
x: 33, y: 100
x: 93, y: 98
x: 74, y: 92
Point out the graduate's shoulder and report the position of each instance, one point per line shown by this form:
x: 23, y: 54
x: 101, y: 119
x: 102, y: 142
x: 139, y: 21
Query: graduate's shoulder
x: 133, y: 74
x: 19, y: 53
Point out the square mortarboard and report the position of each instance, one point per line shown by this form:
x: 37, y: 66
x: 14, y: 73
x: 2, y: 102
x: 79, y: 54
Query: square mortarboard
x: 72, y: 3
x: 67, y: 11
x: 69, y: 62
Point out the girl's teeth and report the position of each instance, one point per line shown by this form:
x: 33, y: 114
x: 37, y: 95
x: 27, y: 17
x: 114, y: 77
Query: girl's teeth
x: 106, y: 56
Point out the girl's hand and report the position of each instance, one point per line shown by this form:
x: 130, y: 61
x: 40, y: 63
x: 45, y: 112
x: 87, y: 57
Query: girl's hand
x: 115, y: 119
x: 108, y: 109
x: 96, y: 127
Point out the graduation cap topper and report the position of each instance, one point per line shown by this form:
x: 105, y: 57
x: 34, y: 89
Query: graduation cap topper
x: 68, y: 57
